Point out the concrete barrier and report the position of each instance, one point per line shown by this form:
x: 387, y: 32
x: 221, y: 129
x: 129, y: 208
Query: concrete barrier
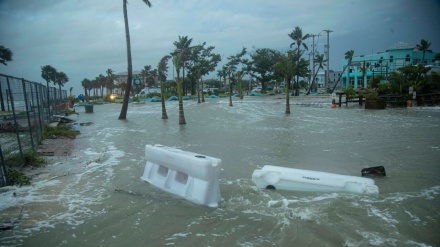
x: 189, y: 175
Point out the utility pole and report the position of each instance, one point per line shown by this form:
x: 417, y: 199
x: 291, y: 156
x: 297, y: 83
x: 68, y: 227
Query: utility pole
x: 327, y: 49
x: 310, y: 76
x: 313, y: 52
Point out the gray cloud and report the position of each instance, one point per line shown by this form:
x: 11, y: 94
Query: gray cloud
x: 84, y: 38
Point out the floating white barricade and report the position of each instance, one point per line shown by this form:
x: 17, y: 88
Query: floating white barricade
x: 275, y: 177
x: 186, y: 174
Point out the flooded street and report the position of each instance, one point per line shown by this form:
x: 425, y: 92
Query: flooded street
x: 96, y: 197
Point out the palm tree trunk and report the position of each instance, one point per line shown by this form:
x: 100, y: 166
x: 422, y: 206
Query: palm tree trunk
x: 203, y: 95
x: 198, y: 92
x: 287, y: 86
x: 337, y: 82
x: 123, y: 114
x: 311, y: 84
x: 297, y: 74
x: 61, y: 95
x: 48, y: 96
x: 164, y: 110
x: 230, y: 93
x: 179, y: 92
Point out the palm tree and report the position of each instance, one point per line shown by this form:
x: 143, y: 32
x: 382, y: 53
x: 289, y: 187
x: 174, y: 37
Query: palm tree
x: 110, y: 78
x: 48, y: 74
x: 61, y: 79
x: 318, y: 60
x: 145, y: 72
x: 162, y: 69
x: 102, y: 82
x: 297, y: 35
x: 85, y: 83
x: 284, y: 66
x: 178, y: 64
x: 234, y: 61
x: 183, y: 46
x: 153, y: 78
x: 5, y: 55
x: 123, y: 114
x: 423, y: 46
x: 348, y: 56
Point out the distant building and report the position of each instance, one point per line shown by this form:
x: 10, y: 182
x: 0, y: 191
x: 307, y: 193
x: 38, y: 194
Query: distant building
x: 383, y: 63
x: 121, y: 78
x: 333, y: 76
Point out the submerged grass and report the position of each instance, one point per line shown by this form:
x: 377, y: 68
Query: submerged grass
x: 60, y: 130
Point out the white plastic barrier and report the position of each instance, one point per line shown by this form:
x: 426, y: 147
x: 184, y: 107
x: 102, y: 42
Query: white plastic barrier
x: 186, y: 174
x: 275, y: 177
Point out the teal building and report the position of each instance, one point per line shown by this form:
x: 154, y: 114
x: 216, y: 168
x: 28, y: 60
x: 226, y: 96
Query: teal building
x: 382, y: 63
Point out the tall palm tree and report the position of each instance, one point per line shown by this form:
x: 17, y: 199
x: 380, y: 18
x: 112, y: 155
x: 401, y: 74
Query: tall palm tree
x: 48, y: 74
x: 298, y: 37
x: 145, y: 72
x: 153, y: 78
x: 109, y: 80
x: 423, y: 46
x: 284, y: 66
x: 318, y: 60
x: 235, y: 61
x: 183, y: 46
x: 85, y: 83
x: 123, y: 114
x: 61, y: 79
x: 178, y: 64
x: 348, y: 56
x: 162, y: 69
x: 5, y: 55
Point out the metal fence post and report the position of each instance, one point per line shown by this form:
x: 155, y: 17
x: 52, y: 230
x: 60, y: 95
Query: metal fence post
x: 4, y: 171
x: 15, y: 118
x: 28, y: 113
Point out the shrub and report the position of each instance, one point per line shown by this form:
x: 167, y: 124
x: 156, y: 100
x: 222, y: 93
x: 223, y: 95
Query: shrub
x: 60, y: 130
x: 31, y: 158
x: 18, y: 178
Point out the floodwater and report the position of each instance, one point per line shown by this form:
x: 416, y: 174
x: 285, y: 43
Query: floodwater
x: 96, y: 197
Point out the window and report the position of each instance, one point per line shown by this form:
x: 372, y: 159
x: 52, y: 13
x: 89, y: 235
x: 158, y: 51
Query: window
x: 407, y: 58
x: 391, y: 59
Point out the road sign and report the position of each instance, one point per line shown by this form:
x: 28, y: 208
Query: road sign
x: 137, y: 81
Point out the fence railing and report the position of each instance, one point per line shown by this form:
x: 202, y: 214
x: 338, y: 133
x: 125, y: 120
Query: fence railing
x: 25, y: 107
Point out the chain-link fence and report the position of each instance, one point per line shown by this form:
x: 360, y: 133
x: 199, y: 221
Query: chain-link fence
x: 25, y: 108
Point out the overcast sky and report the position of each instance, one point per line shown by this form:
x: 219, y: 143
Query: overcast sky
x: 83, y: 38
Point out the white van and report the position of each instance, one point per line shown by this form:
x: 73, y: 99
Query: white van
x: 146, y: 91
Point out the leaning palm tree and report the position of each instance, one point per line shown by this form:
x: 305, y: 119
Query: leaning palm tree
x: 162, y: 69
x: 423, y: 46
x: 123, y: 114
x: 348, y: 56
x: 319, y: 60
x: 298, y: 37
